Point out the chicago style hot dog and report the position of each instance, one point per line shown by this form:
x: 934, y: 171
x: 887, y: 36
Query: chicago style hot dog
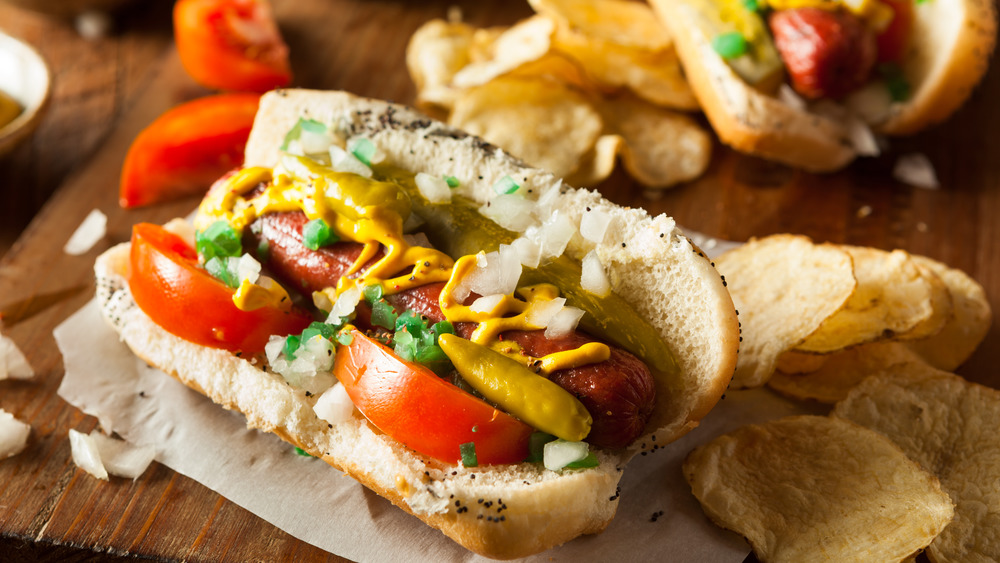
x: 439, y: 344
x: 889, y: 66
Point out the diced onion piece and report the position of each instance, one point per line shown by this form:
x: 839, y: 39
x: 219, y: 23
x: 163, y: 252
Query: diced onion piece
x: 343, y: 161
x: 345, y: 305
x: 495, y: 272
x: 543, y: 208
x: 315, y: 141
x: 247, y: 268
x: 13, y: 435
x: 560, y: 453
x: 553, y: 235
x: 86, y: 455
x: 564, y: 322
x: 13, y: 364
x: 862, y: 137
x: 334, y: 405
x: 594, y: 225
x: 486, y: 304
x: 122, y: 458
x: 871, y: 103
x: 294, y: 167
x: 434, y: 188
x: 541, y: 313
x: 791, y: 98
x: 528, y: 251
x: 294, y: 148
x: 510, y: 211
x: 593, y: 278
x: 273, y: 348
x: 85, y: 236
x: 916, y: 169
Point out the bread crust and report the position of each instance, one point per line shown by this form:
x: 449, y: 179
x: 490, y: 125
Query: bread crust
x: 951, y: 48
x: 503, y: 511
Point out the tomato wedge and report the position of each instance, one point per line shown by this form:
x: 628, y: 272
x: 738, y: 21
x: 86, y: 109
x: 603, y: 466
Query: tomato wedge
x: 411, y: 404
x: 231, y: 44
x: 169, y: 286
x: 186, y: 149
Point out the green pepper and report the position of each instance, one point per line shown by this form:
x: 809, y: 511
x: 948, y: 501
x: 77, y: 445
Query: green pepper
x: 518, y: 390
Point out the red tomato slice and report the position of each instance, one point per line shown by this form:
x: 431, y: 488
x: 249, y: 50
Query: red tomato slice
x: 231, y: 44
x: 424, y: 412
x: 893, y: 40
x: 186, y: 149
x: 169, y: 286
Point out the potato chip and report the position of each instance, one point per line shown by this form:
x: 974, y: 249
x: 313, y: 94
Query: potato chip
x: 841, y: 371
x: 965, y: 328
x: 545, y: 123
x: 816, y: 488
x: 662, y: 148
x: 784, y: 287
x: 655, y: 76
x: 554, y: 66
x: 623, y: 22
x: 526, y: 41
x: 793, y: 362
x: 892, y: 300
x: 598, y: 163
x: 948, y: 426
x: 436, y: 51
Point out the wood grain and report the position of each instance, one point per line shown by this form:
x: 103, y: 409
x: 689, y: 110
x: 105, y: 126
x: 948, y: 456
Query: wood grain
x: 107, y: 90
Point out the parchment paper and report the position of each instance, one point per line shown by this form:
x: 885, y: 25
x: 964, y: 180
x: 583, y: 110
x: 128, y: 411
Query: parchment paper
x: 317, y: 504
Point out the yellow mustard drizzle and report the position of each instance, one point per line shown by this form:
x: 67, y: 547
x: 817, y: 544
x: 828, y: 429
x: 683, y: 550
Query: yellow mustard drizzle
x: 512, y: 314
x: 372, y: 213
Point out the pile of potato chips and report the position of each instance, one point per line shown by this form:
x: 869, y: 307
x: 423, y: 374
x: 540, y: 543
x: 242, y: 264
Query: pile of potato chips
x: 877, y: 333
x: 569, y: 90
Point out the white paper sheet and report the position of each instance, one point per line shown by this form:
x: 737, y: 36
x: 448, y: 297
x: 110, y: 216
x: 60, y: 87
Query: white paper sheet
x: 317, y: 504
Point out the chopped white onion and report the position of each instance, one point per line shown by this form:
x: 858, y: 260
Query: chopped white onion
x: 543, y: 208
x: 247, y: 268
x: 791, y: 98
x: 434, y: 188
x: 495, y: 272
x: 86, y: 455
x: 85, y: 236
x: 13, y: 435
x: 294, y: 167
x: 486, y: 304
x: 273, y: 348
x: 560, y: 453
x: 343, y: 161
x: 862, y: 137
x: 593, y: 277
x: 309, y: 370
x: 594, y: 225
x: 122, y: 458
x: 541, y: 313
x: 314, y: 142
x: 13, y: 364
x: 334, y: 405
x: 528, y: 251
x: 510, y: 211
x: 916, y: 170
x: 564, y: 322
x: 294, y: 147
x: 345, y: 304
x: 871, y: 102
x: 553, y: 235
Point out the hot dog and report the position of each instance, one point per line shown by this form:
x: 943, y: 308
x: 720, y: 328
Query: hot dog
x: 893, y: 67
x: 643, y: 387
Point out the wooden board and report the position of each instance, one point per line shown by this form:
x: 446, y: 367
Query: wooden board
x: 48, y: 508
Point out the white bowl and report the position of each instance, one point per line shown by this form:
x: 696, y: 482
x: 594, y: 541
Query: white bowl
x: 25, y: 77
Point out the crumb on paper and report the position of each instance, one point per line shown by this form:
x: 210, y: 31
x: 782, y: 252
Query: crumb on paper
x: 91, y: 230
x: 13, y: 435
x: 864, y: 211
x: 916, y: 170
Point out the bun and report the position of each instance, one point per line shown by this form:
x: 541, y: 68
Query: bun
x: 497, y: 511
x: 951, y: 44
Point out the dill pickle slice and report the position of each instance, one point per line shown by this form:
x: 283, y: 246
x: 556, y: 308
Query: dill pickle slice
x: 458, y: 229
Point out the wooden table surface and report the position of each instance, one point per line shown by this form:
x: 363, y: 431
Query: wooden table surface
x: 106, y: 90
